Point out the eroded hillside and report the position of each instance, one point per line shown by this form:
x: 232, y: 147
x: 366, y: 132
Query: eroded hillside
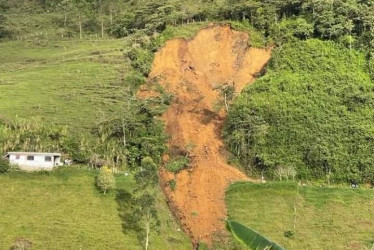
x: 190, y: 70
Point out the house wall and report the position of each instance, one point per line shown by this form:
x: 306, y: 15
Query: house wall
x: 38, y: 162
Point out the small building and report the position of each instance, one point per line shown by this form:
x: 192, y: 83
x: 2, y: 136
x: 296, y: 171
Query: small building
x: 34, y: 161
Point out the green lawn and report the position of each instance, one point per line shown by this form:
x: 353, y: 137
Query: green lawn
x: 326, y: 218
x: 63, y: 210
x: 65, y: 82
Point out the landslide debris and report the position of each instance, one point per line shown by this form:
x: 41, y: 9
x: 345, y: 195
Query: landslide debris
x: 190, y: 70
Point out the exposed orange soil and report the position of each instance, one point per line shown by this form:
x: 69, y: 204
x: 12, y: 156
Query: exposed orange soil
x: 190, y: 69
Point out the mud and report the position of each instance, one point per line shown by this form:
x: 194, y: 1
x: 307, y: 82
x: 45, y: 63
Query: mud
x: 190, y: 70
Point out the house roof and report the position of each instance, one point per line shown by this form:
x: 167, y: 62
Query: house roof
x: 33, y: 153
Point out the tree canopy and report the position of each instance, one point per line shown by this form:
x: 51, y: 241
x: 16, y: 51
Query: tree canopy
x: 347, y: 21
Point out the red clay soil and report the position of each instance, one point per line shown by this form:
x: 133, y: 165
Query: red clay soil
x: 190, y: 69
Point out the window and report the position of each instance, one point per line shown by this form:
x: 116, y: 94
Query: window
x: 30, y: 157
x: 48, y: 158
x: 18, y: 157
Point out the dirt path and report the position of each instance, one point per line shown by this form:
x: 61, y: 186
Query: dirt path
x: 190, y: 69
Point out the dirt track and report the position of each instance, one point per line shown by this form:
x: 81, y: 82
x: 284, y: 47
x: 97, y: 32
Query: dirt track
x: 190, y: 69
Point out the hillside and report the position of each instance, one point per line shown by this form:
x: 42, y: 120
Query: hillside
x: 174, y: 101
x: 63, y: 210
x: 305, y: 217
x: 64, y: 82
x: 310, y: 116
x: 191, y: 76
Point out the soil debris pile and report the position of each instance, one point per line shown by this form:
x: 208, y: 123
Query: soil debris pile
x: 190, y: 70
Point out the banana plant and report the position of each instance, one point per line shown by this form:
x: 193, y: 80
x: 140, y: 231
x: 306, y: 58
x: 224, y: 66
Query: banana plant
x: 251, y: 238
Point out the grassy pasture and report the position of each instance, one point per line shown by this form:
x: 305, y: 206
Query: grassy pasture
x: 65, y: 82
x: 63, y: 210
x: 326, y: 218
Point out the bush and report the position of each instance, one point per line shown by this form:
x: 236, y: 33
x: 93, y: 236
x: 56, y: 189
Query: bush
x: 134, y: 80
x: 4, y: 32
x: 178, y: 164
x: 21, y: 244
x: 105, y: 181
x: 172, y: 184
x: 141, y: 60
x: 4, y: 165
x: 289, y: 234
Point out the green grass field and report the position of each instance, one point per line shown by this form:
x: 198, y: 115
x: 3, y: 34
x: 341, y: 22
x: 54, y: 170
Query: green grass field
x: 326, y: 218
x: 68, y: 82
x: 64, y: 82
x: 63, y: 210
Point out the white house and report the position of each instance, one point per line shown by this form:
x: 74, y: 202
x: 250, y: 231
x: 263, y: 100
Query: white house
x: 34, y: 161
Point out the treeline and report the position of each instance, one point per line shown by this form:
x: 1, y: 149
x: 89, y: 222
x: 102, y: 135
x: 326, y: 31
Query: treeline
x: 66, y: 18
x: 348, y: 21
x: 121, y: 140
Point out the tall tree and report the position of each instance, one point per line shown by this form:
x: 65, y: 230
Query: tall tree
x: 82, y: 10
x: 145, y: 204
x: 67, y: 6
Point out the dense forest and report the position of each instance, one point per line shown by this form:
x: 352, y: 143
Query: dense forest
x: 347, y: 21
x: 316, y: 122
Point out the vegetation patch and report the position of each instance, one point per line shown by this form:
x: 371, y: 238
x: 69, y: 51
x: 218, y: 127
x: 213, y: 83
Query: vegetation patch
x: 310, y: 116
x: 105, y: 180
x: 4, y: 165
x: 171, y: 32
x: 21, y: 244
x: 177, y: 164
x: 257, y: 37
x: 172, y: 184
x: 302, y: 217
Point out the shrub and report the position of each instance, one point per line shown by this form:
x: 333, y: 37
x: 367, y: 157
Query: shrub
x: 172, y: 184
x: 289, y: 234
x: 141, y: 60
x: 21, y: 244
x: 105, y: 181
x: 178, y: 164
x: 44, y: 172
x: 4, y: 165
x: 134, y: 80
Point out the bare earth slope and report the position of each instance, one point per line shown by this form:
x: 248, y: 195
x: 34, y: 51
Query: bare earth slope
x: 190, y: 69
